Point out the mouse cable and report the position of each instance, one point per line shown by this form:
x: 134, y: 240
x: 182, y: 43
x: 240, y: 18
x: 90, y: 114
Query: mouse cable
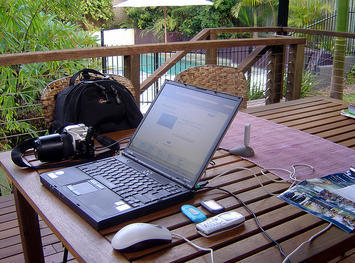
x: 252, y: 213
x: 287, y: 259
x: 194, y: 245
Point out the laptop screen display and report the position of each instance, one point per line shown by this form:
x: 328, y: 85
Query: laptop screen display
x: 183, y: 128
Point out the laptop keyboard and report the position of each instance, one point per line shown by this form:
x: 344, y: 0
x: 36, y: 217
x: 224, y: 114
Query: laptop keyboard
x: 132, y: 186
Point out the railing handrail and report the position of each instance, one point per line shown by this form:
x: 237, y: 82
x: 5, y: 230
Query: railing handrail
x: 95, y: 52
x: 319, y: 32
x: 231, y: 30
x: 67, y: 54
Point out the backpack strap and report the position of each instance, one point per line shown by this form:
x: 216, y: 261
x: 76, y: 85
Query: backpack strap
x: 134, y: 115
x: 85, y: 73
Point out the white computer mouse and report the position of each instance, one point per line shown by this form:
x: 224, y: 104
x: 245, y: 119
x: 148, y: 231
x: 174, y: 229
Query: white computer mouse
x: 138, y: 236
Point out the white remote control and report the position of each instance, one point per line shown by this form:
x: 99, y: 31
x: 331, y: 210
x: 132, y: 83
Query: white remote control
x: 220, y: 222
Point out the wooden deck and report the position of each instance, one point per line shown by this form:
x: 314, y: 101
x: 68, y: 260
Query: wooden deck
x: 10, y: 240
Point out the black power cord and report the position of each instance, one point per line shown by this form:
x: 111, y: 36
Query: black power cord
x: 203, y: 186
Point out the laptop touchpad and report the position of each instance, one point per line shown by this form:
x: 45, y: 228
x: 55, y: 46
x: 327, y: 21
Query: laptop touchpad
x: 82, y: 188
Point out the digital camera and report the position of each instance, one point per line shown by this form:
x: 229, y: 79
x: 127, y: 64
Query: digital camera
x: 75, y: 141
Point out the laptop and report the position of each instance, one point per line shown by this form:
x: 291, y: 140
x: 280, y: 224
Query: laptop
x: 161, y: 165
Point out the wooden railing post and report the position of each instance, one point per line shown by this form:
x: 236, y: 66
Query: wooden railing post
x: 275, y: 73
x: 294, y: 72
x: 211, y: 54
x: 131, y: 70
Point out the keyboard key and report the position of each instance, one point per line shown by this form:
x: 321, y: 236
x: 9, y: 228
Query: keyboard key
x: 142, y: 198
x: 156, y: 196
x: 133, y: 186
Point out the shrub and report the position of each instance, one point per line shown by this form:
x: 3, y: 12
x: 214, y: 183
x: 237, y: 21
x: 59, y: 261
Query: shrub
x: 27, y: 27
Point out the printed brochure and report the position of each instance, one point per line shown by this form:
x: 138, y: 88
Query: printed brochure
x: 331, y: 198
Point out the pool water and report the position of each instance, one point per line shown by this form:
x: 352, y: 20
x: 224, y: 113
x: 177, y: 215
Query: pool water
x: 148, y: 62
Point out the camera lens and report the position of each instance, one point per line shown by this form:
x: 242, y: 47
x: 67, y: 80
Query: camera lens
x: 54, y: 147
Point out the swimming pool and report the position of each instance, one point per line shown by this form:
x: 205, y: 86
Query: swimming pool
x: 151, y: 61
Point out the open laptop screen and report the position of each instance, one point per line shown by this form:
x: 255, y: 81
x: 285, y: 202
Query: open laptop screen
x: 183, y: 128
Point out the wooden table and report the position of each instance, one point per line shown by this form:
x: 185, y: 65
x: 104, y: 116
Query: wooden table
x: 287, y: 224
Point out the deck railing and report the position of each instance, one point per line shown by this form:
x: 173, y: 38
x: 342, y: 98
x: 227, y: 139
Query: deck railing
x: 284, y: 56
x: 317, y: 58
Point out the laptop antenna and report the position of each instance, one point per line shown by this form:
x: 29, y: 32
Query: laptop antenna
x: 245, y: 150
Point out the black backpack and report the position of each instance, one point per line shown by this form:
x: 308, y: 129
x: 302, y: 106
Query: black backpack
x: 98, y: 101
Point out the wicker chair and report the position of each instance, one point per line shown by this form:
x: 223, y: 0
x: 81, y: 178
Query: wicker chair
x: 220, y: 78
x: 49, y: 92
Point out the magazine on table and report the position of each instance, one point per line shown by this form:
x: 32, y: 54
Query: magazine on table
x: 331, y: 198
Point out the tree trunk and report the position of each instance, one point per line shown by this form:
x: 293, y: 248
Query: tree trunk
x: 337, y: 82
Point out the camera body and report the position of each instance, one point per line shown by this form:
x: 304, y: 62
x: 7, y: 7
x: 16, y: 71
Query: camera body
x: 74, y: 142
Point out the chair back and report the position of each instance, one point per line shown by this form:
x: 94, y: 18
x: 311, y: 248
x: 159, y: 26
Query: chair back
x: 54, y: 87
x: 219, y: 78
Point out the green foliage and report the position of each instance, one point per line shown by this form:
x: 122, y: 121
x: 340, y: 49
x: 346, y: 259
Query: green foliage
x: 306, y: 12
x: 143, y: 18
x: 5, y: 186
x: 188, y: 20
x: 309, y: 81
x: 65, y: 10
x: 255, y: 94
x: 256, y: 12
x: 350, y: 76
x: 312, y: 14
x: 87, y: 13
x: 97, y: 10
x: 350, y: 98
x: 191, y: 20
x: 27, y: 27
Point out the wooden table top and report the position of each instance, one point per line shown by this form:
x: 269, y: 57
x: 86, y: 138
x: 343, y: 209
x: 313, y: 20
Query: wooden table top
x: 288, y: 225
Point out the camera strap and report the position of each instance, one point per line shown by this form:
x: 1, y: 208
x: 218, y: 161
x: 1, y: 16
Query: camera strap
x: 18, y: 151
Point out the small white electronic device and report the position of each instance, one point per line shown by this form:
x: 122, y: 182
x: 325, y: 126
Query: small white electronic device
x: 245, y: 150
x: 212, y: 206
x: 219, y: 223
